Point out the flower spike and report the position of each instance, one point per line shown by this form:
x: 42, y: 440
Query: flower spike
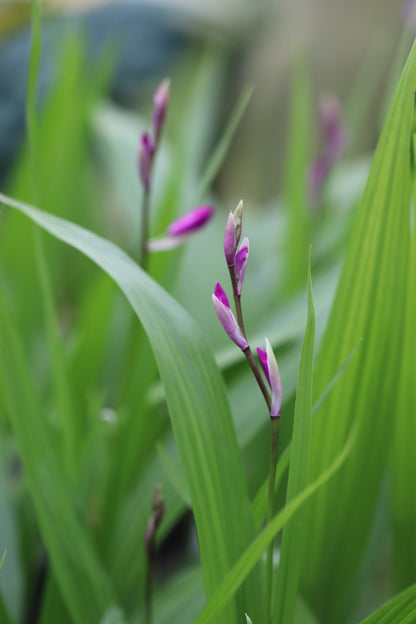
x: 271, y: 370
x: 226, y: 317
x: 240, y: 263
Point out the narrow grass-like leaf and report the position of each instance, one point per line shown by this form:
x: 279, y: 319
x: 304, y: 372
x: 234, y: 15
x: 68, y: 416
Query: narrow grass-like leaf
x: 369, y: 304
x: 249, y: 559
x: 83, y: 583
x: 290, y: 563
x: 4, y: 616
x: 404, y: 457
x: 218, y: 156
x: 260, y: 501
x: 198, y: 407
x: 399, y: 610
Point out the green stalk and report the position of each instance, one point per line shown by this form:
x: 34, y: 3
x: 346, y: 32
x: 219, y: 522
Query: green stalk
x: 144, y: 229
x: 275, y: 422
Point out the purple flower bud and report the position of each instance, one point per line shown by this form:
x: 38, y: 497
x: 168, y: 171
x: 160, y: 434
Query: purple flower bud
x: 238, y: 219
x: 240, y: 263
x: 182, y: 228
x: 146, y: 151
x: 229, y: 240
x: 271, y: 370
x: 160, y: 101
x: 330, y: 120
x: 226, y: 317
x: 233, y: 233
x: 192, y: 221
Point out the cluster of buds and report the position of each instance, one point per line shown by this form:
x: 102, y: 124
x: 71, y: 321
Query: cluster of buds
x: 334, y: 140
x: 237, y: 263
x: 149, y: 141
x: 191, y: 222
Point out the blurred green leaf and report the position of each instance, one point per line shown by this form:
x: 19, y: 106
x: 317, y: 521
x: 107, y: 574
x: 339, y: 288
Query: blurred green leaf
x: 400, y: 610
x: 83, y: 582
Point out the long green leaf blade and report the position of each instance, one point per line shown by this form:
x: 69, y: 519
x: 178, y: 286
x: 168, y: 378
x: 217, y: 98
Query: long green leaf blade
x: 83, y: 583
x: 400, y: 610
x: 249, y: 559
x: 369, y: 304
x: 198, y: 407
x: 290, y: 563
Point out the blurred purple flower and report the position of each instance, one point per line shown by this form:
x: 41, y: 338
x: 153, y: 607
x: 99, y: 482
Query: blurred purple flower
x: 191, y: 221
x: 182, y: 228
x: 226, y: 317
x: 271, y: 370
x: 146, y: 151
x: 160, y: 101
x: 334, y: 140
x: 240, y: 263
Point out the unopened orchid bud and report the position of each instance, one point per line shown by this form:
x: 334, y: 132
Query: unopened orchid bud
x: 240, y: 263
x: 230, y: 240
x: 333, y: 132
x: 146, y: 151
x: 271, y: 370
x: 181, y: 229
x: 238, y: 219
x: 226, y: 317
x: 192, y: 221
x: 160, y: 101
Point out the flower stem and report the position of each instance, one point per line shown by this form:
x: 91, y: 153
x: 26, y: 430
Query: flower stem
x: 272, y: 475
x: 253, y: 365
x: 144, y: 229
x: 247, y: 351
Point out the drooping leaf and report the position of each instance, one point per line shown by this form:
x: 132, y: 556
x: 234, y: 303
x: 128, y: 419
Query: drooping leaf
x: 198, y: 407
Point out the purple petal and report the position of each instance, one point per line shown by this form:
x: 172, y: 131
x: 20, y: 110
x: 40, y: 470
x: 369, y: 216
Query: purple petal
x: 240, y: 264
x: 275, y: 382
x: 146, y: 151
x: 220, y: 293
x: 263, y: 362
x: 191, y: 221
x: 160, y: 101
x: 227, y: 320
x: 230, y: 240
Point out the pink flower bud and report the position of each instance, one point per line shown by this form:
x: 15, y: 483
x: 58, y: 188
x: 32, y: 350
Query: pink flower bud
x: 146, y: 151
x: 271, y: 370
x: 160, y: 101
x: 192, y: 221
x: 238, y: 219
x: 229, y: 240
x: 226, y: 317
x: 240, y: 263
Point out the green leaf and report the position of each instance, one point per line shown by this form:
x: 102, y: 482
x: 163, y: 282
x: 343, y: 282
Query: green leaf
x: 400, y: 610
x: 83, y: 583
x: 404, y: 458
x: 290, y: 563
x: 217, y: 158
x: 249, y: 559
x: 198, y: 408
x: 369, y: 304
